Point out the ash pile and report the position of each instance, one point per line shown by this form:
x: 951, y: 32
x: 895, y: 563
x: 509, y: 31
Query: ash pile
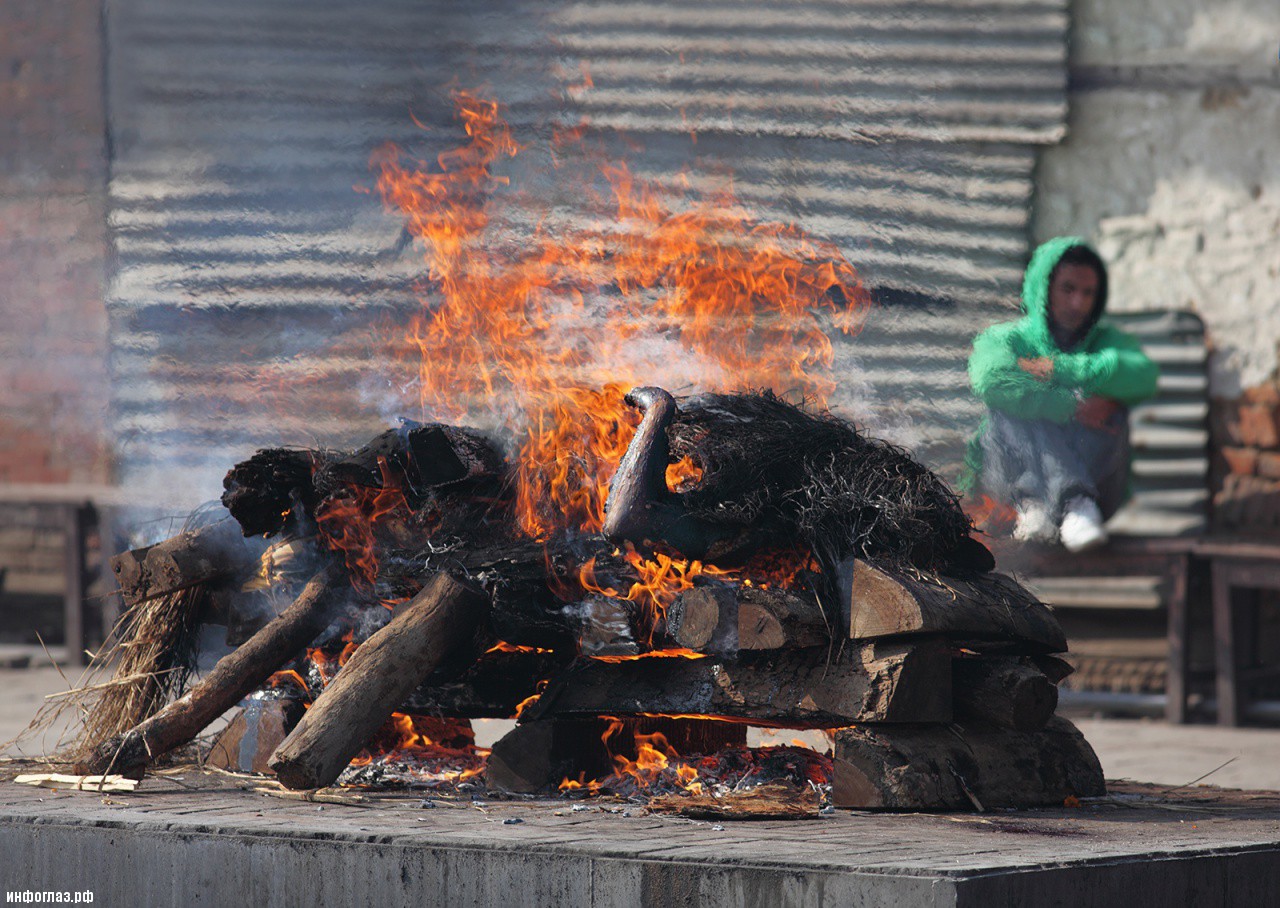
x: 755, y: 564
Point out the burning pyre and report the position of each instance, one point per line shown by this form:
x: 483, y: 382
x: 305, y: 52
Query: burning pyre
x: 710, y: 539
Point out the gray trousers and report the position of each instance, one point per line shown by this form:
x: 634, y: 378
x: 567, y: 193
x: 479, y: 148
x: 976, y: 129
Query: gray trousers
x: 1034, y: 459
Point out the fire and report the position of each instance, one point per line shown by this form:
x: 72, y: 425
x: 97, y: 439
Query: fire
x: 654, y: 755
x: 662, y: 578
x: 684, y: 474
x: 350, y: 524
x: 990, y: 516
x: 752, y: 302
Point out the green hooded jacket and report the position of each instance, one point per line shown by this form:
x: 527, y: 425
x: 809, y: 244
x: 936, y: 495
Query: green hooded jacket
x: 1106, y: 362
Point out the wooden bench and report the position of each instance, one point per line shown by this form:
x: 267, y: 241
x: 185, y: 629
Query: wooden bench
x: 1152, y: 557
x: 82, y: 510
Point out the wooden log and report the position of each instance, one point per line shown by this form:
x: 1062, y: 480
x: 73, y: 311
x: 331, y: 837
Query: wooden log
x: 962, y: 767
x: 536, y: 757
x: 991, y: 608
x: 704, y: 619
x: 1003, y: 691
x: 814, y: 688
x: 492, y: 688
x: 726, y: 620
x: 253, y: 734
x: 607, y: 626
x: 211, y: 553
x: 380, y: 674
x: 1057, y: 670
x: 234, y: 677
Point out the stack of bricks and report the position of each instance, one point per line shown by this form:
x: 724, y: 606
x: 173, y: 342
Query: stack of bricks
x: 1247, y: 439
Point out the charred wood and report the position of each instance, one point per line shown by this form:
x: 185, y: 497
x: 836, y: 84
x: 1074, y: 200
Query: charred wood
x: 253, y: 734
x: 640, y: 508
x: 262, y: 492
x: 379, y: 676
x: 883, y: 602
x: 962, y: 767
x: 416, y: 458
x: 1006, y: 692
x: 235, y: 676
x: 537, y: 756
x: 209, y: 554
x: 814, y: 688
x: 492, y: 688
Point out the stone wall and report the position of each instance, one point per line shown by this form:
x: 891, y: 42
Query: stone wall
x: 53, y: 245
x: 1171, y: 166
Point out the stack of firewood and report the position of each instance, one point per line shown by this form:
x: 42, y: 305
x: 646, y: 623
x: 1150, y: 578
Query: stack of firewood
x: 937, y: 674
x: 943, y: 692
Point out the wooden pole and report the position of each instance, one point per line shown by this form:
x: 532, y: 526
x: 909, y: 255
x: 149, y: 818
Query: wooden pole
x: 380, y: 674
x: 234, y: 677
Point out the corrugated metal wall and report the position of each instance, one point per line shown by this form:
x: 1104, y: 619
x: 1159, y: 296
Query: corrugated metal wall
x: 904, y: 133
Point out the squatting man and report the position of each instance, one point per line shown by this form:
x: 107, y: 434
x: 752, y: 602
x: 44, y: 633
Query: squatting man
x: 1058, y: 384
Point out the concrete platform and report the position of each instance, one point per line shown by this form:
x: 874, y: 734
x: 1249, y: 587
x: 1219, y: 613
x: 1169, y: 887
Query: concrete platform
x: 198, y: 842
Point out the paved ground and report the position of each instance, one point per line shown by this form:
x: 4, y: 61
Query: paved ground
x: 1137, y: 749
x: 1140, y: 846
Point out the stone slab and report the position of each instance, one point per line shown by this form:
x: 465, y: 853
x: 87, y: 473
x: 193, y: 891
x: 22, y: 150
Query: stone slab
x: 200, y: 842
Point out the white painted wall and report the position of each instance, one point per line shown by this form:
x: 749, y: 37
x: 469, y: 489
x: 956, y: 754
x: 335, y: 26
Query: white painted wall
x: 1172, y: 166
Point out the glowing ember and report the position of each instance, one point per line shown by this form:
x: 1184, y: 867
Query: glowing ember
x: 657, y: 770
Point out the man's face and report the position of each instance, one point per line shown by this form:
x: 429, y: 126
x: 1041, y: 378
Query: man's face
x: 1072, y: 294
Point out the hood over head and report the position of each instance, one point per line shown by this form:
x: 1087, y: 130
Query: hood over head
x: 1035, y: 287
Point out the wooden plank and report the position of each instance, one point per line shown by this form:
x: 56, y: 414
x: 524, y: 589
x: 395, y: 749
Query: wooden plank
x: 814, y: 688
x: 1194, y: 383
x: 1193, y: 468
x: 962, y: 767
x: 881, y: 602
x: 1176, y: 354
x: 1168, y: 438
x: 1139, y: 522
x: 1142, y: 592
x: 1161, y: 412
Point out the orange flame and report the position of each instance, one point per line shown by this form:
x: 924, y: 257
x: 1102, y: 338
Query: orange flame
x: 990, y: 516
x: 682, y: 475
x: 662, y: 578
x: 751, y: 302
x: 349, y: 524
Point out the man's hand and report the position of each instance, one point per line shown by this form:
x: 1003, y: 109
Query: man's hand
x: 1040, y: 368
x: 1096, y: 412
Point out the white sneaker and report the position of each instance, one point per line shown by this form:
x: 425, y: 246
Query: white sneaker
x: 1033, y: 523
x: 1082, y: 527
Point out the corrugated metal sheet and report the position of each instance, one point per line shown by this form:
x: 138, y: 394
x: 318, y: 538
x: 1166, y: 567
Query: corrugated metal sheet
x: 241, y: 129
x: 858, y: 69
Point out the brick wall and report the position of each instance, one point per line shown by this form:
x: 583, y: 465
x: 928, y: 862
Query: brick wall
x: 1246, y: 442
x: 53, y: 245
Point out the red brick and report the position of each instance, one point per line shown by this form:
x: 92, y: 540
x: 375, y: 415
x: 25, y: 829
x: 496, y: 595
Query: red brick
x: 1269, y: 464
x: 1265, y: 393
x: 1241, y: 461
x: 1258, y: 426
